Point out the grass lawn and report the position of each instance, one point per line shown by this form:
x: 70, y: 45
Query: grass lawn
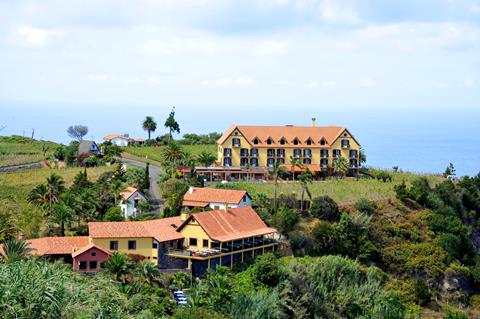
x: 16, y: 185
x: 15, y: 150
x: 154, y: 153
x: 343, y: 191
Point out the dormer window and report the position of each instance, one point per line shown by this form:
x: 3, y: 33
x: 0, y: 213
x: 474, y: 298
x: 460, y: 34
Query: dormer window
x: 296, y: 141
x: 309, y: 141
x: 255, y: 141
x: 269, y: 141
x: 322, y: 141
x: 282, y: 141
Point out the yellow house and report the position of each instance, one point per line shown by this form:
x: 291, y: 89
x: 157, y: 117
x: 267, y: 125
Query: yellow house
x: 196, y: 241
x: 142, y: 238
x: 262, y: 146
x: 223, y: 237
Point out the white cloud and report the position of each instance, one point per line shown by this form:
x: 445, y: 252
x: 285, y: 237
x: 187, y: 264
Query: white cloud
x: 332, y: 12
x: 271, y: 48
x: 366, y: 82
x: 469, y: 83
x: 228, y: 82
x: 28, y: 36
x: 180, y: 44
x: 412, y: 36
x: 475, y: 7
x: 98, y: 77
x: 329, y: 84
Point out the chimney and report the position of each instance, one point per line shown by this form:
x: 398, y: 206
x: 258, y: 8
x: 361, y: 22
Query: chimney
x: 314, y: 122
x: 191, y: 189
x: 21, y: 236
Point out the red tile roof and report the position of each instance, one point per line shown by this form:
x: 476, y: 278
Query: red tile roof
x: 213, y: 195
x: 233, y: 224
x: 303, y: 133
x: 159, y: 229
x: 129, y: 191
x: 57, y: 245
x: 314, y: 168
x: 110, y: 137
x: 87, y: 248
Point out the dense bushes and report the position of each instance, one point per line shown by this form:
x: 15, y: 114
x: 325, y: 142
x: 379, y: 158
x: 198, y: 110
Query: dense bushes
x: 326, y: 208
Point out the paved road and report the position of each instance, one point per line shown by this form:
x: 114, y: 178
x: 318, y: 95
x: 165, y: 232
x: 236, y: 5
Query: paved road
x: 154, y: 190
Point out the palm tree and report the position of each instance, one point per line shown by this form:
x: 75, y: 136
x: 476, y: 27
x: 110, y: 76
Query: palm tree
x: 39, y: 196
x: 206, y: 158
x: 294, y: 162
x: 305, y: 178
x: 362, y: 156
x: 149, y: 274
x: 340, y: 166
x: 172, y: 154
x: 120, y: 266
x: 275, y: 171
x: 116, y: 186
x: 61, y: 215
x: 55, y: 186
x: 15, y: 250
x: 149, y: 125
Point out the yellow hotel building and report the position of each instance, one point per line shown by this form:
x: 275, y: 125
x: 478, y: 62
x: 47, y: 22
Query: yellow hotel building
x: 262, y: 146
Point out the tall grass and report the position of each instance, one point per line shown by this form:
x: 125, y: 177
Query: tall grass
x: 344, y: 191
x: 15, y: 150
x: 154, y: 153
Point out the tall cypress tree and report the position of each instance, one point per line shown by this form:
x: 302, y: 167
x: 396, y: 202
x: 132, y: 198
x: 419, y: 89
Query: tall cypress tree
x: 146, y: 178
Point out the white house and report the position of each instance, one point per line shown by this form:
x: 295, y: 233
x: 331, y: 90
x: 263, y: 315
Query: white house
x: 120, y: 140
x: 215, y: 198
x: 131, y: 198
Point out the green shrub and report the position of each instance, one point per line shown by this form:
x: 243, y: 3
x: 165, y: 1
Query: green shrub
x: 401, y: 191
x: 114, y: 214
x: 455, y: 315
x: 324, y: 207
x: 267, y: 270
x: 423, y: 296
x: 451, y: 244
x: 285, y: 220
x: 384, y: 176
x: 364, y: 206
x: 324, y: 238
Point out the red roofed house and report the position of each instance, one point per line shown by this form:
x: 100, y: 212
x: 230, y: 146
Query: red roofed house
x: 131, y: 198
x: 197, y: 241
x: 215, y: 198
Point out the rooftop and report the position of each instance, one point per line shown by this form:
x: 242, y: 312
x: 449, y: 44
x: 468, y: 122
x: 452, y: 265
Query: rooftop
x: 160, y: 229
x: 231, y: 224
x: 288, y: 133
x: 200, y: 197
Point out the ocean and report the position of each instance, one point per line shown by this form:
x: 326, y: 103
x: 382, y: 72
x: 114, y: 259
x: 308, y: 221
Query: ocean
x: 415, y: 140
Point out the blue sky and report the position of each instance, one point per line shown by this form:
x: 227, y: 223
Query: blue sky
x: 266, y: 53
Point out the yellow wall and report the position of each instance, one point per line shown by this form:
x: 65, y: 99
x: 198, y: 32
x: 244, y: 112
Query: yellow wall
x: 262, y: 150
x: 193, y: 230
x: 144, y: 246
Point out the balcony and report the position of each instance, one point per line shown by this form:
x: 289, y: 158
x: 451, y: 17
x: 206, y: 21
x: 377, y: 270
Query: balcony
x: 236, y: 145
x: 307, y: 155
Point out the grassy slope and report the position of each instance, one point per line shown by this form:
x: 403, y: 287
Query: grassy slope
x: 153, y: 153
x: 343, y: 191
x: 15, y: 186
x: 16, y: 150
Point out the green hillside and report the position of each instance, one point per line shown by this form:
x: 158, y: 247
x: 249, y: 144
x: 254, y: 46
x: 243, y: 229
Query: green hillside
x: 15, y: 150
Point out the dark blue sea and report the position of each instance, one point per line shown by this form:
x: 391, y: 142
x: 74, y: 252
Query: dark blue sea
x: 418, y: 140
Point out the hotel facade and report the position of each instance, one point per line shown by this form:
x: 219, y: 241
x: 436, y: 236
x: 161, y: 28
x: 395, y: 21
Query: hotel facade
x: 260, y: 147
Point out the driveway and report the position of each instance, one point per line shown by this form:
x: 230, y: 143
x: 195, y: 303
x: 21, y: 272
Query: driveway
x: 155, y: 194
